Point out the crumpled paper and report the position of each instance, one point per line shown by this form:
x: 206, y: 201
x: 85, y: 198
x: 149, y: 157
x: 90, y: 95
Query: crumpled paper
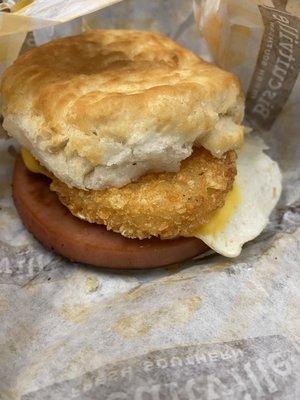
x: 21, y: 16
x: 209, y: 328
x: 27, y: 15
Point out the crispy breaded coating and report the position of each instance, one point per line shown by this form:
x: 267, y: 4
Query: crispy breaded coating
x: 165, y: 205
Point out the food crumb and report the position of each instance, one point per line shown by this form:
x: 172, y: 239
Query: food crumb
x: 91, y: 284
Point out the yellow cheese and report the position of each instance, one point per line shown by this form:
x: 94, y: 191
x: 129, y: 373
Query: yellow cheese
x: 32, y: 164
x: 223, y: 214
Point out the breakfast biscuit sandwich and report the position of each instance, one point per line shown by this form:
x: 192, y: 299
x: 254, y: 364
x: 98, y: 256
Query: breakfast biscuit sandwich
x: 133, y: 151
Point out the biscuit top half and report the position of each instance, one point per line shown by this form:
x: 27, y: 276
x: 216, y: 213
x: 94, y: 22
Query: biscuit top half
x: 102, y: 108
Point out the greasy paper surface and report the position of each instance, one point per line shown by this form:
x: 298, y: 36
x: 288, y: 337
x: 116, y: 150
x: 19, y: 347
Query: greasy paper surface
x: 212, y: 328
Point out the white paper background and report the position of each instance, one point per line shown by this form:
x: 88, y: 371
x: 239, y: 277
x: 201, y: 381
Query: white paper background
x: 61, y: 320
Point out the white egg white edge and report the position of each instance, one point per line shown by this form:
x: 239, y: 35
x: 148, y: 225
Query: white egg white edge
x: 259, y: 182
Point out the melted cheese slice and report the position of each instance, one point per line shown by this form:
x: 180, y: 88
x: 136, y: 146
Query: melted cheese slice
x: 32, y: 164
x: 223, y: 214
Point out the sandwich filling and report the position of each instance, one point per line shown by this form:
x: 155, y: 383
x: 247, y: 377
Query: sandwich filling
x: 214, y: 199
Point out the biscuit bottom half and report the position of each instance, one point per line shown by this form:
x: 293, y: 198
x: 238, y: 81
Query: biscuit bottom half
x: 165, y: 205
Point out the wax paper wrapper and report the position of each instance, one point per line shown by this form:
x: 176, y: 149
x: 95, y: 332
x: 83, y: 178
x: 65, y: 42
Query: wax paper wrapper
x: 210, y: 328
x: 21, y: 16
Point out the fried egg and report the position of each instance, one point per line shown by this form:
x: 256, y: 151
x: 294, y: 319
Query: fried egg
x: 246, y: 212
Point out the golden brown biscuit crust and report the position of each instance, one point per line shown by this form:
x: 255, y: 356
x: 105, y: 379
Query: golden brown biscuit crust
x: 90, y: 100
x: 166, y: 205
